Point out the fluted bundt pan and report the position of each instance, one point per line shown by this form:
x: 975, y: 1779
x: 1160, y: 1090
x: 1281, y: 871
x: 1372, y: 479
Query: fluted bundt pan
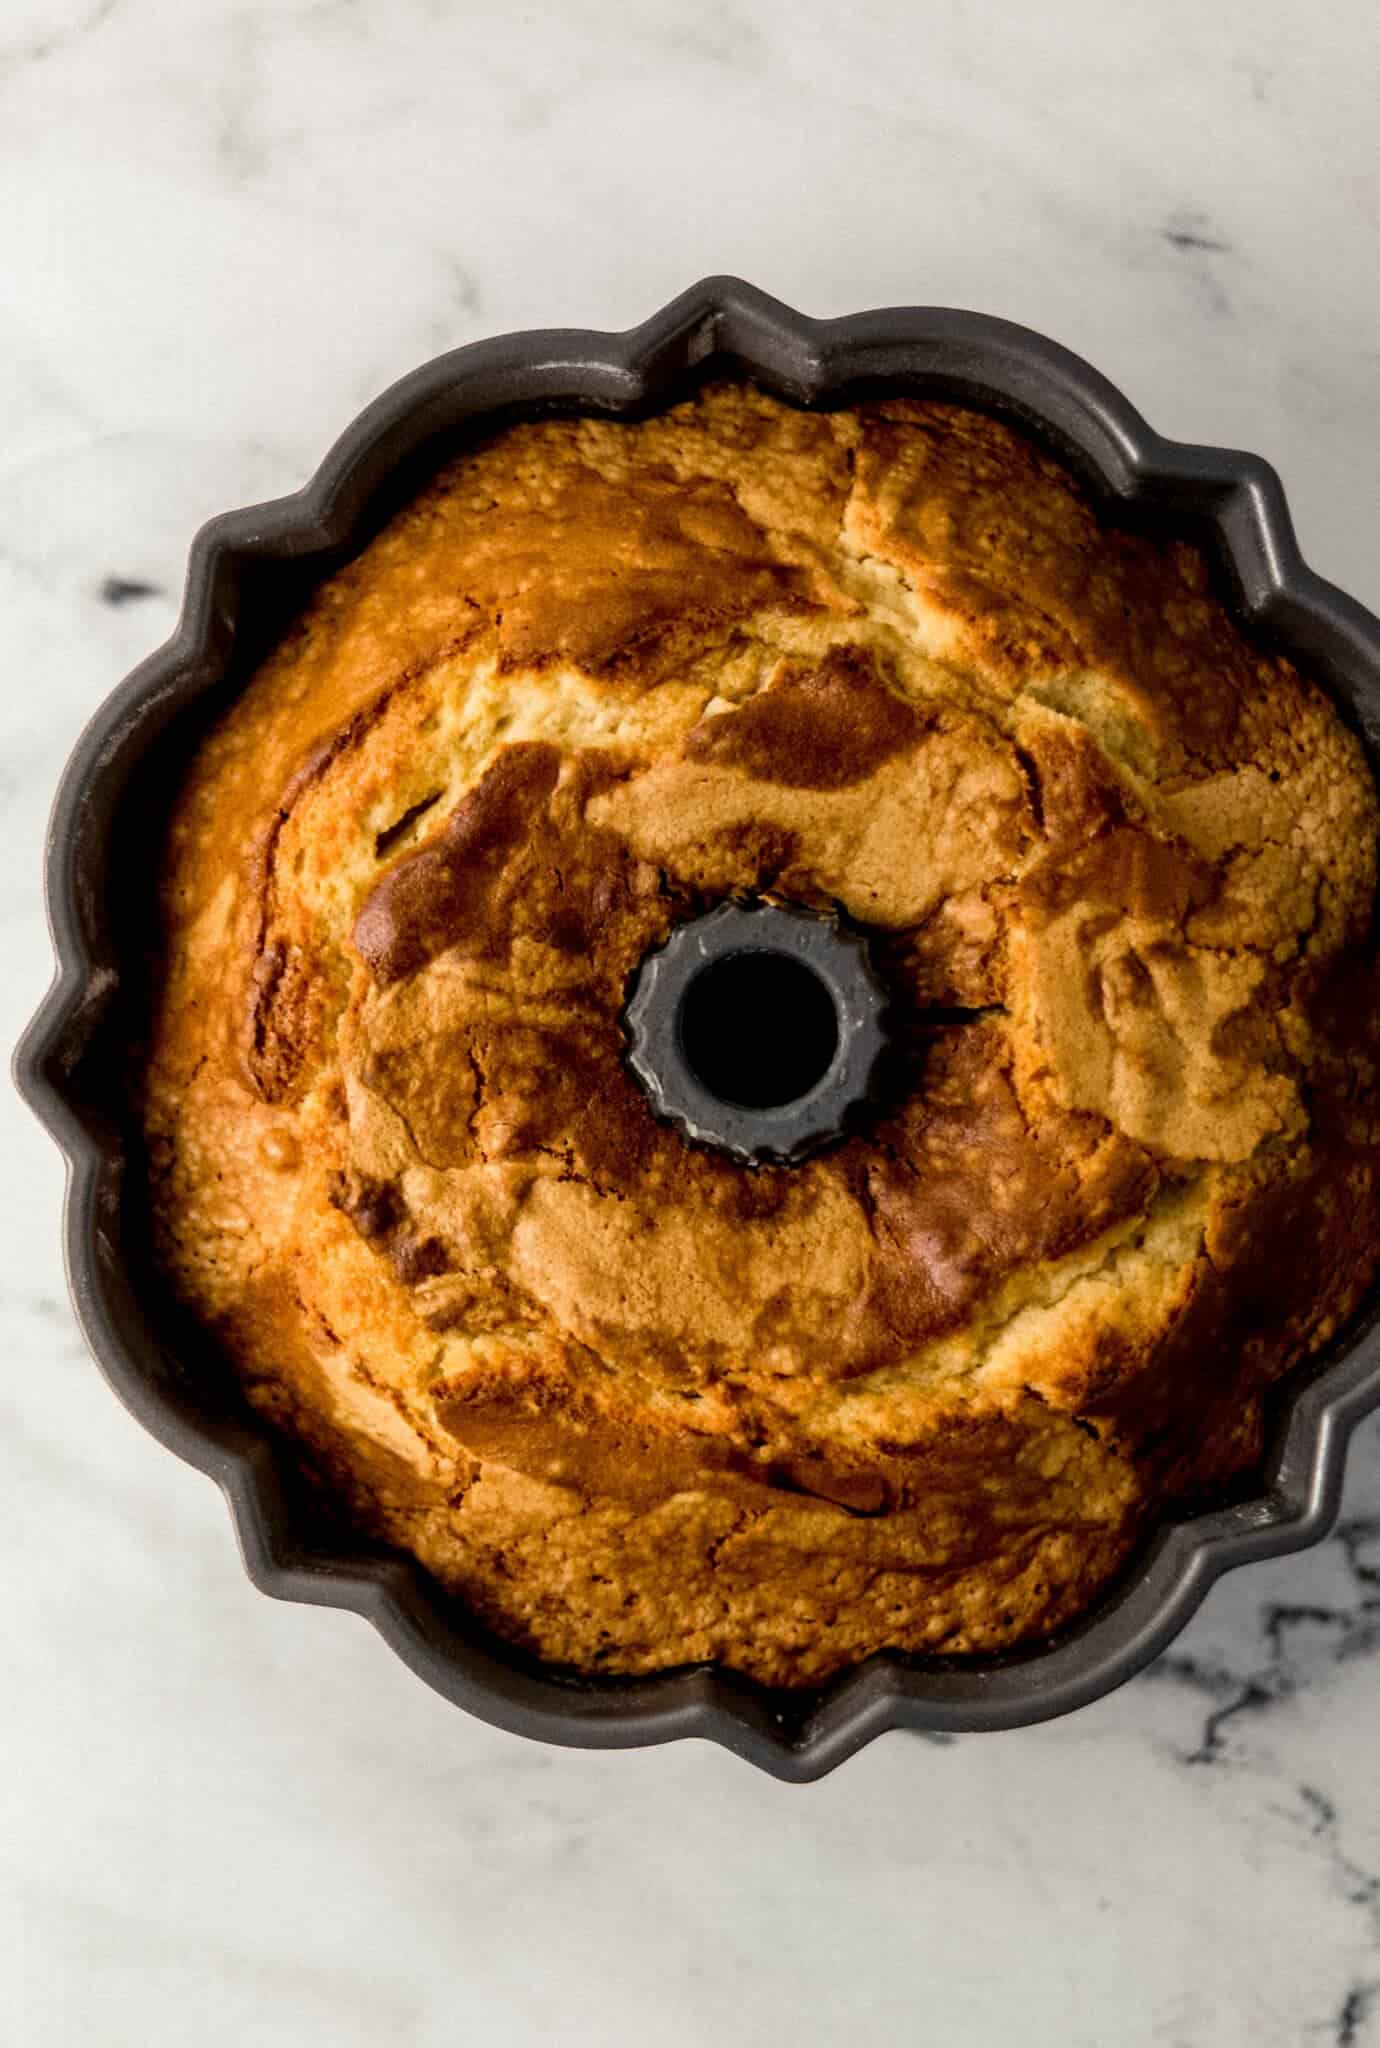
x: 249, y: 573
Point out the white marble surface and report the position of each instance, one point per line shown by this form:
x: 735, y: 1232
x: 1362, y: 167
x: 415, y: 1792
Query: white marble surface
x: 223, y: 226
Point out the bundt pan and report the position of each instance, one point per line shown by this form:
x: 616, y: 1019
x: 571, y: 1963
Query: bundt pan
x: 249, y: 573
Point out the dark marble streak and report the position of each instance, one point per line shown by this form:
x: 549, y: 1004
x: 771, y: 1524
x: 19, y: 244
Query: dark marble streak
x: 1193, y: 238
x: 1355, y: 1882
x: 1355, y: 2011
x: 1353, y: 1628
x: 122, y: 590
x: 1339, y: 1631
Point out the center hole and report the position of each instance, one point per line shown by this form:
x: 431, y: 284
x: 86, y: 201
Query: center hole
x: 758, y: 1029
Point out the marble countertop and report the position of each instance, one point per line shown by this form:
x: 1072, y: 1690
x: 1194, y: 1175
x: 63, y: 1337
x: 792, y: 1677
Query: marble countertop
x: 226, y: 226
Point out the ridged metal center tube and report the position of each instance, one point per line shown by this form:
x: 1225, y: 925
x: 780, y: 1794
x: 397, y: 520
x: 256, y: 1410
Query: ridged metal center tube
x: 758, y: 1030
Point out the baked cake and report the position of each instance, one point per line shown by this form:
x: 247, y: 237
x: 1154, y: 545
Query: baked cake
x: 635, y: 1402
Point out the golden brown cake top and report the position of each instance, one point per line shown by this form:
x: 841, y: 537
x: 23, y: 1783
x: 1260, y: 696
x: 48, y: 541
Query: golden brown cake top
x: 886, y: 661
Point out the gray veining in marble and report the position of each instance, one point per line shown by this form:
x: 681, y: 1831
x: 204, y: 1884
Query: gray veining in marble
x: 223, y: 227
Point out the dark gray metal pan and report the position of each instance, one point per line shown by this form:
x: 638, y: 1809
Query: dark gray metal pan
x: 249, y: 572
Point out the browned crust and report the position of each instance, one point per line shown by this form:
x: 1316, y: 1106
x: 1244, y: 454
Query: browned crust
x: 635, y: 1403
